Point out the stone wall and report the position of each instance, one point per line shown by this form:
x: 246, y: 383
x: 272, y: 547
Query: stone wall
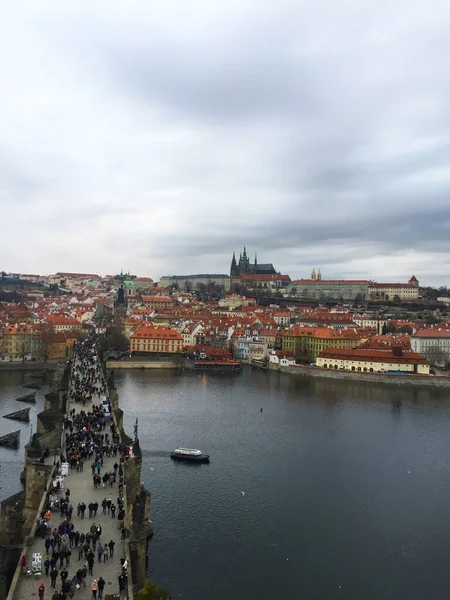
x: 142, y: 364
x: 422, y: 380
x: 19, y: 512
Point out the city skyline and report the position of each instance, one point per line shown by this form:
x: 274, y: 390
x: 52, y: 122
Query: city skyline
x: 163, y: 138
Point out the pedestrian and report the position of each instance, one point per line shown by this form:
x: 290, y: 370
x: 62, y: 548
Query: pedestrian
x: 100, y: 551
x: 41, y: 591
x: 53, y: 576
x: 47, y: 565
x: 23, y: 564
x: 94, y: 588
x: 101, y: 584
x: 111, y: 545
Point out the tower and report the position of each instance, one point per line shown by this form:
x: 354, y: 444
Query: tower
x: 319, y: 275
x: 243, y: 262
x: 256, y: 260
x: 313, y: 274
x: 234, y: 272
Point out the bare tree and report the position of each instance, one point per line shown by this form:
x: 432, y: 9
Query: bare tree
x: 436, y: 356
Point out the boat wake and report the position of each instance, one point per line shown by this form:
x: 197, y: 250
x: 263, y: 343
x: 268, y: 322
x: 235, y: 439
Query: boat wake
x: 146, y: 452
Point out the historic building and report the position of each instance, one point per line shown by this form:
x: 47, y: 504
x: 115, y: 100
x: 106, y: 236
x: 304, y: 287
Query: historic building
x: 191, y: 282
x: 150, y: 340
x: 433, y: 344
x: 349, y: 290
x: 244, y: 267
x: 343, y: 290
x: 373, y: 361
x: 395, y: 291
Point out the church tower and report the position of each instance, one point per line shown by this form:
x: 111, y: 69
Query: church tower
x: 234, y: 272
x: 319, y: 275
x: 243, y: 262
x: 313, y: 274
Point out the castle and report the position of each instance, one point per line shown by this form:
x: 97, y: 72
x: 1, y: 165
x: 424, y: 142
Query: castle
x: 244, y: 267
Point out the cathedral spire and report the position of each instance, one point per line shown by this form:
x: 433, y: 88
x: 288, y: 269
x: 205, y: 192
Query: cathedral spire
x: 244, y: 256
x: 313, y: 274
x: 256, y: 259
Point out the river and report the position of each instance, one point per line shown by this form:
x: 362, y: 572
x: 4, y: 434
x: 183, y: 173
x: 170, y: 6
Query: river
x: 337, y: 489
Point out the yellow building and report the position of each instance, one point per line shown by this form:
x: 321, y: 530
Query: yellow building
x: 148, y: 339
x: 57, y: 348
x: 373, y: 361
x: 17, y: 340
x: 306, y: 343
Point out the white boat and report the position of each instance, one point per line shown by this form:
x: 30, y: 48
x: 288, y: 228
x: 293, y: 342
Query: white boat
x: 189, y: 454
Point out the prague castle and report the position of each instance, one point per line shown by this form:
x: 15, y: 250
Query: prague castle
x: 244, y: 267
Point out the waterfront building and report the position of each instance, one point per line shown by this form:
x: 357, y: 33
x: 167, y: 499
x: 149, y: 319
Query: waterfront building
x: 373, y: 361
x: 306, y: 343
x: 281, y: 358
x: 151, y: 340
x: 433, y: 344
x: 17, y: 340
x: 257, y: 350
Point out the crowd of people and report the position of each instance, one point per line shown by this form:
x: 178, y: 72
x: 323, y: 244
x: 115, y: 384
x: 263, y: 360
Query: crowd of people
x: 73, y: 550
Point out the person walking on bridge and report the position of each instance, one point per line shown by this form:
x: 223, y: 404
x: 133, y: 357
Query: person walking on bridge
x: 41, y: 591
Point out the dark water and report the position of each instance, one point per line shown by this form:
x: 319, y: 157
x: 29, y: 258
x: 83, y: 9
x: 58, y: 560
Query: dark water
x: 347, y: 486
x: 11, y: 461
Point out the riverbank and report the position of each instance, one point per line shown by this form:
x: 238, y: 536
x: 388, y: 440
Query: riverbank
x: 407, y: 379
x: 143, y: 364
x: 50, y: 365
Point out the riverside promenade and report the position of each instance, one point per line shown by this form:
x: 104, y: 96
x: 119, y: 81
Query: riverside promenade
x: 80, y: 484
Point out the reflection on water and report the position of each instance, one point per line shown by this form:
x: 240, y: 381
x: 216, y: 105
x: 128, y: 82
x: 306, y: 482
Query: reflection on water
x: 346, y: 484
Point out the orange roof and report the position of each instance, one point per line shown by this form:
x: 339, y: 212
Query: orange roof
x: 157, y: 299
x: 62, y: 320
x: 267, y: 277
x: 319, y: 281
x: 162, y: 333
x: 373, y: 355
x: 433, y: 333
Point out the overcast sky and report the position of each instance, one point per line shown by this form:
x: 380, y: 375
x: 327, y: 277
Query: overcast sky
x: 159, y: 136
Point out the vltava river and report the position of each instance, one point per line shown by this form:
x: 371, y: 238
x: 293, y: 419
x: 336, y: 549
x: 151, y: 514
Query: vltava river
x: 346, y: 485
x: 335, y: 490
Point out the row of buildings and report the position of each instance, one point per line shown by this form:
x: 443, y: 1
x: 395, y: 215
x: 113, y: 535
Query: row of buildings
x: 160, y: 320
x: 260, y: 276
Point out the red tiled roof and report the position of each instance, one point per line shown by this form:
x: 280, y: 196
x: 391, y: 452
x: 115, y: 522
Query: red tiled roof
x: 372, y: 355
x: 267, y: 277
x: 162, y: 333
x: 344, y: 281
x: 432, y: 333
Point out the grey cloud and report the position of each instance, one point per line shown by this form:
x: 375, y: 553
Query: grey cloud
x: 310, y: 132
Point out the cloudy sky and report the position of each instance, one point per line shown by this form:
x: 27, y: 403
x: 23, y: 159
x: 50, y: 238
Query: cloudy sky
x: 159, y: 136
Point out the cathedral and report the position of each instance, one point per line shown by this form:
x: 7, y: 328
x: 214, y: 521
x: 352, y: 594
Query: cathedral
x: 244, y: 267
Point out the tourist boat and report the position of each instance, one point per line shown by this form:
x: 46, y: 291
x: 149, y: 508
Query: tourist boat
x: 189, y: 454
x: 217, y: 365
x: 10, y: 440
